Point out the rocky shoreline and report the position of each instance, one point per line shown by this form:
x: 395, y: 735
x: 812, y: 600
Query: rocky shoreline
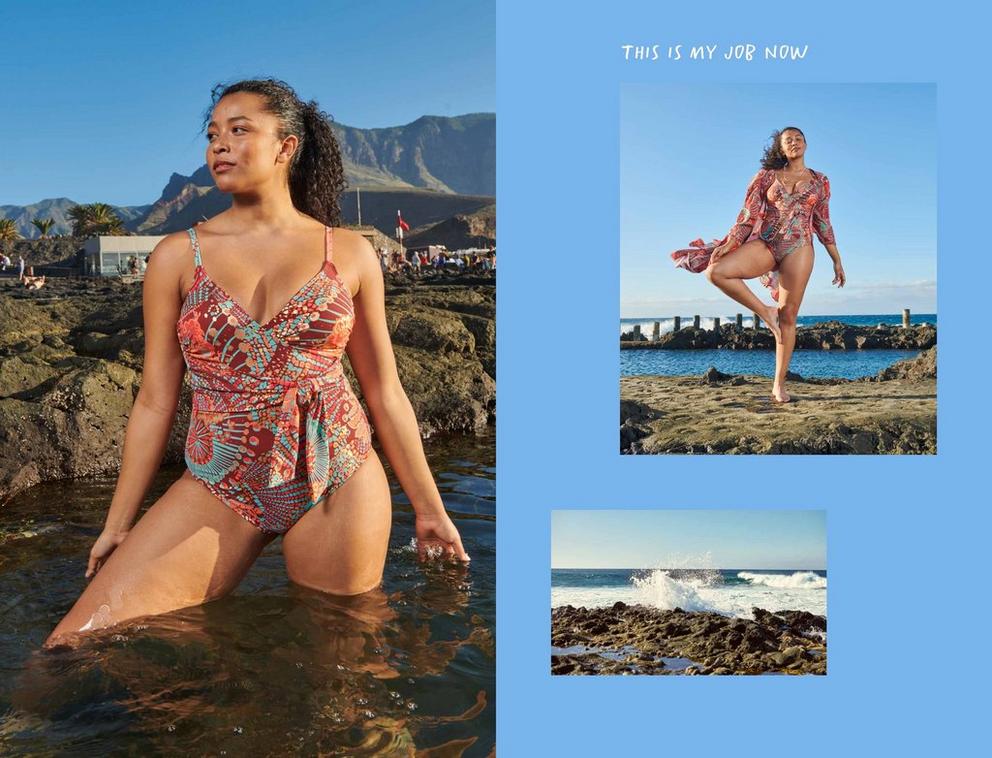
x: 71, y: 357
x: 634, y: 639
x: 830, y: 335
x: 892, y: 412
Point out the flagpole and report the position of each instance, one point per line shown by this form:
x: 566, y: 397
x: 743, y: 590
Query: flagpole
x: 359, y: 191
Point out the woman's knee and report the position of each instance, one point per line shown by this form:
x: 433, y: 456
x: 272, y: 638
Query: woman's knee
x: 788, y: 314
x: 713, y: 273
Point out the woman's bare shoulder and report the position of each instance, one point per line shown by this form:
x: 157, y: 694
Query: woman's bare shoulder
x: 351, y: 247
x: 172, y: 249
x: 168, y: 262
x: 354, y: 257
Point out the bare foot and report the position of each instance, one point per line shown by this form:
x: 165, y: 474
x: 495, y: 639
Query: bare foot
x: 779, y: 395
x: 771, y: 319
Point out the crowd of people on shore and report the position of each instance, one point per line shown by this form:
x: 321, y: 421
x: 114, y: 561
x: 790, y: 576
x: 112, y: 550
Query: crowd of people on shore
x: 408, y: 261
x: 25, y: 275
x: 415, y: 261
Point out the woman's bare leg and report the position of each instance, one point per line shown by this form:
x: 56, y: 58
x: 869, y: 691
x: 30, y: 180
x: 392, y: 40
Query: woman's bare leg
x: 793, y: 275
x: 339, y: 546
x: 746, y: 262
x: 186, y: 549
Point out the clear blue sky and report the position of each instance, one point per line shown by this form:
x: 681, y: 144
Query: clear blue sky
x: 102, y: 100
x: 688, y: 151
x: 744, y: 539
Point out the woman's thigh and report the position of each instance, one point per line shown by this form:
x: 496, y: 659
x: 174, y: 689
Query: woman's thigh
x: 793, y: 276
x: 186, y: 549
x: 746, y: 262
x: 339, y: 546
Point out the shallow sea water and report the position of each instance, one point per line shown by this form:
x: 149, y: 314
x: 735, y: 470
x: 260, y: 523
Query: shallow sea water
x: 272, y: 669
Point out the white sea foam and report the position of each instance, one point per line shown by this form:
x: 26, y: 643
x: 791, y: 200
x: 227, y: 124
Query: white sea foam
x: 705, y: 591
x: 798, y: 580
x: 657, y: 588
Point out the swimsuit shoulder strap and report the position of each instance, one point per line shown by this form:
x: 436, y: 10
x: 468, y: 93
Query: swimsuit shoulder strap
x: 328, y: 242
x: 196, y: 246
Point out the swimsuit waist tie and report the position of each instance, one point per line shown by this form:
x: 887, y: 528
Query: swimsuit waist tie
x: 303, y: 409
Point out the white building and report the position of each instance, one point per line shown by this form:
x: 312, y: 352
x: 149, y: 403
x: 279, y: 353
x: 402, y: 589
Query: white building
x: 110, y: 255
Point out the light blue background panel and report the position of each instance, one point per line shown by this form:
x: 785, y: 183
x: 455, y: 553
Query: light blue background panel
x: 907, y: 536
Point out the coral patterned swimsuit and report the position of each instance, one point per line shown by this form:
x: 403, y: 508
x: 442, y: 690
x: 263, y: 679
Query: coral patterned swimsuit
x: 275, y: 425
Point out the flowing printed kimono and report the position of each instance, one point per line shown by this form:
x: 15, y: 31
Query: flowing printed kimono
x: 785, y: 221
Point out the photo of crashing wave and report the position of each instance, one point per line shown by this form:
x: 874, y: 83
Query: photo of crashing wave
x: 684, y: 611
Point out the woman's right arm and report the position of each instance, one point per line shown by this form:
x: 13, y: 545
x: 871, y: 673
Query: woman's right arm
x: 153, y: 413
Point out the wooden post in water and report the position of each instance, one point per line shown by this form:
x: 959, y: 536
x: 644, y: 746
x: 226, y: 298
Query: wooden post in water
x: 757, y: 320
x: 656, y: 331
x: 678, y: 324
x: 637, y: 331
x: 905, y: 318
x: 740, y: 320
x: 695, y: 321
x: 716, y: 323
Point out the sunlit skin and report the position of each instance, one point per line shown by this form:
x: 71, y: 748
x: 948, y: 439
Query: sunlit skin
x: 188, y: 547
x: 753, y: 258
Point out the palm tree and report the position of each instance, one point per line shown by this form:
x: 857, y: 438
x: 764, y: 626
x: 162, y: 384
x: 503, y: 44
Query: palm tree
x: 44, y: 225
x: 8, y: 232
x: 95, y: 218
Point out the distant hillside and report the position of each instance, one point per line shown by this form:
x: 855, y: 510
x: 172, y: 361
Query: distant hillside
x: 431, y: 169
x: 456, y: 155
x: 461, y: 231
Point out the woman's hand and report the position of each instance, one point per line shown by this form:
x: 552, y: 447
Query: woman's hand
x: 721, y: 250
x: 105, y: 544
x: 439, y: 533
x: 839, y: 277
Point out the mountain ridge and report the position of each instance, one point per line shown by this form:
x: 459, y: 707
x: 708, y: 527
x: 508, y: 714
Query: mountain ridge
x: 447, y: 156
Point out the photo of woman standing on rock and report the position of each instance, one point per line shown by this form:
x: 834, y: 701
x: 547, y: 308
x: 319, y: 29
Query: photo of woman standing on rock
x: 838, y: 359
x: 786, y: 203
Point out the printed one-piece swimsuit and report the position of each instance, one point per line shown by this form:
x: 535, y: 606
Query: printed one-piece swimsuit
x: 275, y: 425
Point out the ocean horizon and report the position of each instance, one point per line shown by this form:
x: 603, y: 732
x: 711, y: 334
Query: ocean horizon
x: 667, y: 323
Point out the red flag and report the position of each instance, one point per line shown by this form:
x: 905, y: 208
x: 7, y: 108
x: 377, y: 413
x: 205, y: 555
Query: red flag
x: 401, y: 223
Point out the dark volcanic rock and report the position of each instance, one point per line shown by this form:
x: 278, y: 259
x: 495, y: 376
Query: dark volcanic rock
x: 625, y: 639
x: 923, y: 366
x: 71, y: 356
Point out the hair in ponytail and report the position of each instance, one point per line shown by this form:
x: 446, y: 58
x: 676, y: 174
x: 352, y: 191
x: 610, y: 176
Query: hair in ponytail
x: 316, y: 172
x: 773, y: 156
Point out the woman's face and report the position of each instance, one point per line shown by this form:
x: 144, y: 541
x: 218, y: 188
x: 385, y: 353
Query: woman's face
x: 243, y: 146
x: 793, y: 143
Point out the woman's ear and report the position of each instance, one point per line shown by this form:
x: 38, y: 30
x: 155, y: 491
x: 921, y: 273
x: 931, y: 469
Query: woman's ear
x: 288, y: 148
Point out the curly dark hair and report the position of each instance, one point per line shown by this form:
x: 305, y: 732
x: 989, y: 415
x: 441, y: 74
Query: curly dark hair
x: 316, y: 172
x: 773, y: 157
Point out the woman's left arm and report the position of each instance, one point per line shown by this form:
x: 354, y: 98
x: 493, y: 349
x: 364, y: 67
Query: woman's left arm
x: 371, y: 354
x: 825, y: 232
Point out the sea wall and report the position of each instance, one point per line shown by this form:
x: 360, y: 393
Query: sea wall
x: 830, y: 335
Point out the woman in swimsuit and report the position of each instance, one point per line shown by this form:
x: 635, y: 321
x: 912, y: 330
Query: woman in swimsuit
x: 785, y: 204
x: 277, y: 442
